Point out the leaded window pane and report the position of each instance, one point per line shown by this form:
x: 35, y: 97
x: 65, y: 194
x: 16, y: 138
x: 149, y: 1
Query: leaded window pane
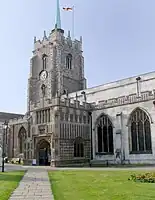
x: 105, y: 139
x: 99, y: 130
x: 140, y: 136
x: 140, y: 132
x: 81, y: 150
x: 21, y: 139
x: 134, y: 136
x: 110, y: 131
x: 105, y: 135
x: 78, y: 148
x: 147, y: 135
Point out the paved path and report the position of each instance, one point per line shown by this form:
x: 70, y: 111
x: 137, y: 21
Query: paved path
x: 35, y: 185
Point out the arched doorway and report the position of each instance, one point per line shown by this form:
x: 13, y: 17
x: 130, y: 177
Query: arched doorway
x: 44, y: 153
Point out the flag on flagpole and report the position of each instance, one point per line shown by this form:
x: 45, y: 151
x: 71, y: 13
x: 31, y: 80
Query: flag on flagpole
x: 71, y: 9
x: 67, y: 8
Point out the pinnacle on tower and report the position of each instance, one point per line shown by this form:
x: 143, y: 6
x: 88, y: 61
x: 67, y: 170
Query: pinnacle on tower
x: 45, y: 37
x: 69, y: 34
x: 35, y: 39
x: 58, y: 18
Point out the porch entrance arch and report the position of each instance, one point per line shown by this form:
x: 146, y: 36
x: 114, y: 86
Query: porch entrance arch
x: 44, y: 152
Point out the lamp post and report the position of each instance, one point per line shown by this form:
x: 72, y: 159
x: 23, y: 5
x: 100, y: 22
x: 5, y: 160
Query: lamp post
x: 5, y: 125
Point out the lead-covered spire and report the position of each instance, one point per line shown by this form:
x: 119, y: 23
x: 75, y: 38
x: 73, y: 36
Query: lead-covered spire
x: 58, y: 18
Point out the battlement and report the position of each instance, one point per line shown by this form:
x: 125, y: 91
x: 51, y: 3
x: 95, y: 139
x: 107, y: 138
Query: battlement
x: 57, y: 36
x: 71, y: 103
x: 62, y: 102
x: 125, y: 100
x: 18, y: 120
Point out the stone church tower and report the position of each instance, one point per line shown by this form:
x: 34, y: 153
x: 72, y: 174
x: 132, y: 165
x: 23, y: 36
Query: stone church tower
x: 67, y: 124
x: 53, y: 129
x: 57, y: 66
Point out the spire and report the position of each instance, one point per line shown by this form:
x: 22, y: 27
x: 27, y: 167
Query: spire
x: 58, y: 18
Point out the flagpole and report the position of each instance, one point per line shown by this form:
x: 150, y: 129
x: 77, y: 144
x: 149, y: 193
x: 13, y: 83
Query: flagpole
x: 73, y: 18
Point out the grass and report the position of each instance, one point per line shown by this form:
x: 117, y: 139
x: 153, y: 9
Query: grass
x: 8, y: 183
x: 99, y: 185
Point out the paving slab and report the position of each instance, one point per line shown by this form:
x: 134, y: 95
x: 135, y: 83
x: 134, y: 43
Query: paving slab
x: 34, y: 185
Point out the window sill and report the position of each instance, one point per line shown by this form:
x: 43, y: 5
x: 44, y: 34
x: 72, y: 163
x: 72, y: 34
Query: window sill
x: 104, y: 153
x: 140, y: 152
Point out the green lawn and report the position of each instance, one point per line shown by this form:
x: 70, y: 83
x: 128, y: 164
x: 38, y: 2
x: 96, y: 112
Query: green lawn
x: 8, y: 182
x: 99, y: 185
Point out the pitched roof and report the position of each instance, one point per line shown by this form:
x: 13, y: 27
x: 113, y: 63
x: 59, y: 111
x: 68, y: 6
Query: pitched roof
x: 7, y: 116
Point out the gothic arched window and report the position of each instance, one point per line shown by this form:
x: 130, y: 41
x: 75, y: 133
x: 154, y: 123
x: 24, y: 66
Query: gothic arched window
x: 21, y: 139
x: 78, y: 148
x: 105, y: 135
x: 44, y: 60
x: 69, y: 61
x: 140, y: 132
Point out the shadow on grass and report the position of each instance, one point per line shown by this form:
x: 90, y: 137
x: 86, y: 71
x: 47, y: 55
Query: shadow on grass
x: 16, y: 176
x: 11, y: 176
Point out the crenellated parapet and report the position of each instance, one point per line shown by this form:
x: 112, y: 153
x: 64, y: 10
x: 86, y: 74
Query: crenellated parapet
x: 57, y: 37
x: 107, y: 103
x: 124, y: 100
x: 19, y: 120
x: 65, y: 102
x: 74, y: 104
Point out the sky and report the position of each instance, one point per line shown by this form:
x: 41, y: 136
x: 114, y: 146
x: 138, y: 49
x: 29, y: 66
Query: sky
x: 118, y: 41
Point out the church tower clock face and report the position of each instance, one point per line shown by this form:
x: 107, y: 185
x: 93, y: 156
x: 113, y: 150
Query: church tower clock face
x: 43, y: 75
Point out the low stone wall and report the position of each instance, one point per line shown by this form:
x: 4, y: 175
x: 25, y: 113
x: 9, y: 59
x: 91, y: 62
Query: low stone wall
x: 71, y: 163
x: 27, y: 162
x: 126, y: 163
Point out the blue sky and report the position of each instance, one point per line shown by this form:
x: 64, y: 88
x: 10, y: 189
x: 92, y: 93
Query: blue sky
x: 118, y: 41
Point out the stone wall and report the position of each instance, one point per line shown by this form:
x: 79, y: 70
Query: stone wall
x: 118, y: 91
x: 125, y: 111
x: 56, y: 47
x: 71, y: 121
x: 124, y: 105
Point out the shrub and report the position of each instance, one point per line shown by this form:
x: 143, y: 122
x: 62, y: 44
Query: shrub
x: 144, y: 178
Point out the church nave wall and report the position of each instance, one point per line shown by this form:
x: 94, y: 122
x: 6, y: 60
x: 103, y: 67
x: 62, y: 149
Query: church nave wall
x: 120, y: 118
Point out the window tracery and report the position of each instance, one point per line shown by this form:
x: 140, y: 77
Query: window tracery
x: 69, y: 61
x: 105, y: 135
x: 44, y: 60
x: 21, y: 139
x: 140, y: 132
x: 78, y: 148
